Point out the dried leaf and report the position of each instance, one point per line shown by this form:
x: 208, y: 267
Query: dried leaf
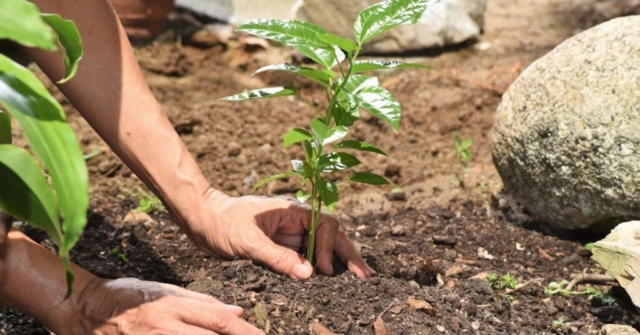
x: 318, y: 329
x: 421, y: 304
x: 379, y: 327
x: 261, y: 317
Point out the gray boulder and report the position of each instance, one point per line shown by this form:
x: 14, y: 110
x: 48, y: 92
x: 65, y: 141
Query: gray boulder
x: 446, y: 23
x: 566, y: 139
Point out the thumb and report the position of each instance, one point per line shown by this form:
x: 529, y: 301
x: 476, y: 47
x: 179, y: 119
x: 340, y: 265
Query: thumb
x: 280, y: 259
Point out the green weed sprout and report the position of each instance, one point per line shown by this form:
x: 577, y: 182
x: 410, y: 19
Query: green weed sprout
x: 148, y: 203
x: 560, y: 289
x: 465, y: 156
x: 506, y: 281
x: 347, y: 91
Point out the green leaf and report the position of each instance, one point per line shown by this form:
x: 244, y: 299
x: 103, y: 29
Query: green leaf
x: 373, y: 65
x: 466, y: 144
x: 466, y: 155
x: 302, y: 36
x: 382, y: 17
x: 343, y: 43
x: 336, y: 161
x: 70, y: 40
x: 368, y: 178
x: 381, y: 103
x: 320, y: 76
x: 309, y: 150
x: 5, y: 128
x: 319, y: 128
x: 362, y: 146
x: 302, y: 196
x: 20, y: 21
x: 303, y: 168
x: 52, y: 140
x: 295, y: 136
x: 328, y: 194
x: 357, y: 82
x: 335, y: 134
x: 263, y: 93
x: 272, y: 178
x: 25, y: 192
x: 345, y: 115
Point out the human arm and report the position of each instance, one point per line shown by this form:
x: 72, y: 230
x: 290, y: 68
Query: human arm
x: 32, y: 279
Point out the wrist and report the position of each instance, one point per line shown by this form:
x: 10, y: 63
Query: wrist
x: 196, y: 221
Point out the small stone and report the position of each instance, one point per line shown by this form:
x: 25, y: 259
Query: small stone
x: 392, y: 170
x: 618, y: 330
x: 134, y: 218
x: 440, y: 328
x: 397, y: 230
x: 234, y: 149
x: 475, y: 325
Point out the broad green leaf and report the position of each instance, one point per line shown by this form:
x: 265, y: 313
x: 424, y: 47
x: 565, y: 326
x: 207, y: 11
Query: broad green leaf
x: 328, y: 194
x: 52, y: 140
x: 357, y: 82
x: 302, y: 36
x: 70, y: 40
x: 466, y: 144
x: 362, y: 146
x: 25, y: 192
x: 341, y: 42
x: 346, y: 115
x: 319, y: 128
x: 466, y: 155
x: 5, y: 128
x: 302, y: 168
x: 381, y: 103
x: 373, y: 65
x: 368, y: 178
x: 272, y: 178
x: 335, y: 134
x: 309, y: 150
x: 382, y: 17
x: 20, y: 21
x: 263, y: 93
x: 336, y: 161
x: 296, y: 135
x: 320, y: 76
x: 302, y: 196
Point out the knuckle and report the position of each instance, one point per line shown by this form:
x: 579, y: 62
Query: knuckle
x: 282, y: 257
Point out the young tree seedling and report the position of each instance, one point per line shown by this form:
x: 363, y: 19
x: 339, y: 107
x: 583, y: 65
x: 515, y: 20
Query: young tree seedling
x: 347, y: 91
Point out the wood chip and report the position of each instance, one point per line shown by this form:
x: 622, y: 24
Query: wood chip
x: 481, y: 275
x: 421, y: 305
x: 545, y: 255
x: 396, y: 309
x: 379, y: 327
x: 456, y: 270
x: 319, y: 329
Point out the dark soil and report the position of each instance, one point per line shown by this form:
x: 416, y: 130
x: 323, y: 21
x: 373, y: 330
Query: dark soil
x: 427, y: 242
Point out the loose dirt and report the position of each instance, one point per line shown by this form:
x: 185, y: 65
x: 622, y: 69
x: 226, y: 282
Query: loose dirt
x: 433, y: 241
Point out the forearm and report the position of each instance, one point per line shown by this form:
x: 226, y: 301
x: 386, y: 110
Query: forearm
x: 111, y: 93
x: 32, y: 280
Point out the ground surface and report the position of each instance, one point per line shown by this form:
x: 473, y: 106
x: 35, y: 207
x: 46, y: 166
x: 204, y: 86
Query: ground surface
x: 395, y: 232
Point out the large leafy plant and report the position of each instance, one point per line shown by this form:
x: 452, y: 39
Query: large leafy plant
x: 56, y: 202
x: 347, y: 91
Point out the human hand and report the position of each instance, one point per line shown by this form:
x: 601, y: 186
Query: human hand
x: 271, y: 231
x: 130, y: 307
x: 5, y: 225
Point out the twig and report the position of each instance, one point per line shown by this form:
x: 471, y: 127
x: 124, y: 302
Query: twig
x: 589, y: 277
x: 393, y: 303
x: 521, y: 286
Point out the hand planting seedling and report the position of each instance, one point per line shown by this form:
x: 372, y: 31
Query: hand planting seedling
x: 346, y: 90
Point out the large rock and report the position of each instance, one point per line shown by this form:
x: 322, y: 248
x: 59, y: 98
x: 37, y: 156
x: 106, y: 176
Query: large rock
x: 566, y: 139
x: 445, y: 23
x: 619, y: 255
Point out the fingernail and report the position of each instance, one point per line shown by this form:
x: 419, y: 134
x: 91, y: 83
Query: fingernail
x: 237, y: 310
x: 302, y: 271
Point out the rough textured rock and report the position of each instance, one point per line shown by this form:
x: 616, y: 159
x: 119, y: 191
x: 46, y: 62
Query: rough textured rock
x: 445, y: 23
x: 566, y: 140
x: 618, y: 330
x: 619, y: 255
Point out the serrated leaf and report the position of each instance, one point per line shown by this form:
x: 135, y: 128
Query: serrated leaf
x: 263, y: 93
x: 328, y: 193
x: 362, y: 146
x: 272, y: 178
x: 337, y: 161
x: 302, y: 196
x: 25, y: 192
x: 381, y: 103
x: 5, y: 128
x: 373, y: 65
x: 302, y: 36
x: 296, y: 135
x: 53, y: 141
x: 382, y: 17
x: 335, y: 134
x: 341, y: 42
x: 20, y: 21
x: 320, y: 76
x: 70, y: 40
x: 357, y: 82
x: 369, y: 178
